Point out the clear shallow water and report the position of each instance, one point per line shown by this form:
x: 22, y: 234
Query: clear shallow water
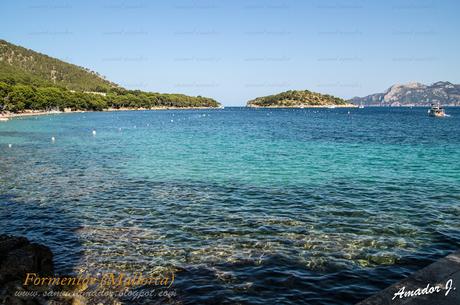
x: 248, y: 205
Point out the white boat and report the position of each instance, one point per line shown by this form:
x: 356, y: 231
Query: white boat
x: 436, y: 111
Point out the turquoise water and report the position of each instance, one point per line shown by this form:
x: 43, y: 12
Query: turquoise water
x: 313, y: 206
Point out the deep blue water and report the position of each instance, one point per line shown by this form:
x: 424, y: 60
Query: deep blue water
x: 256, y: 206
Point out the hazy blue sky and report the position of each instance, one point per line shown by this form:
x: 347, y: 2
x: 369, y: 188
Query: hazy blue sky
x: 237, y: 50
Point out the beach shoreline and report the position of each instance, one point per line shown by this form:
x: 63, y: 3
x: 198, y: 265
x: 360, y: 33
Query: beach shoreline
x: 5, y: 116
x: 10, y: 115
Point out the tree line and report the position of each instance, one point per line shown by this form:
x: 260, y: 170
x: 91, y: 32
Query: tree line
x: 17, y: 97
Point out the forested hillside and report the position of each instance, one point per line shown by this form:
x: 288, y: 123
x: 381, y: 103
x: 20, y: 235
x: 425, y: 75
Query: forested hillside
x: 33, y: 81
x: 24, y: 64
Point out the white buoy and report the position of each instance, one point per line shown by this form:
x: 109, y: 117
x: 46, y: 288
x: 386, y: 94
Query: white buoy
x: 53, y: 139
x: 9, y: 145
x: 94, y: 132
x: 172, y: 121
x: 119, y: 129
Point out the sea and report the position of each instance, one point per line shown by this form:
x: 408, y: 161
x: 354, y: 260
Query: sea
x: 244, y: 206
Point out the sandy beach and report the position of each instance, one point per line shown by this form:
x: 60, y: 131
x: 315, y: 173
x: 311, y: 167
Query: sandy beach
x: 5, y: 116
x: 159, y: 108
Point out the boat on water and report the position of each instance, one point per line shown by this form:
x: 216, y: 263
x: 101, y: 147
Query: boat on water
x: 436, y: 111
x: 361, y: 106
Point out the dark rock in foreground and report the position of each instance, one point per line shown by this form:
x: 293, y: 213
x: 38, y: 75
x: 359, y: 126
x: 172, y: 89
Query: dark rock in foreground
x: 18, y: 256
x: 439, y: 284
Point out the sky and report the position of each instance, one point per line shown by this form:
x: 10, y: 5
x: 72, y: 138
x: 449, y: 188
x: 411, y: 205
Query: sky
x: 236, y: 50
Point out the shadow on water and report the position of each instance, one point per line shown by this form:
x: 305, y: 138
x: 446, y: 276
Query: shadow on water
x: 275, y: 280
x: 43, y: 224
x: 282, y: 281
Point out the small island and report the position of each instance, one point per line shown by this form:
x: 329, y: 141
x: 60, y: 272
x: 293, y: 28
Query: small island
x: 298, y: 99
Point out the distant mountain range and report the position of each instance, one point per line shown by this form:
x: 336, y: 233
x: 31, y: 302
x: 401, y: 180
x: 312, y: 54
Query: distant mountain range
x: 413, y: 94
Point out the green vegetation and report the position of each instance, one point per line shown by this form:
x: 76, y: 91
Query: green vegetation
x: 27, y: 66
x: 19, y: 97
x: 295, y: 98
x: 30, y: 80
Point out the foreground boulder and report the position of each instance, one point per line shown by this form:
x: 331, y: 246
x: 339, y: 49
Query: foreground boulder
x: 18, y: 256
